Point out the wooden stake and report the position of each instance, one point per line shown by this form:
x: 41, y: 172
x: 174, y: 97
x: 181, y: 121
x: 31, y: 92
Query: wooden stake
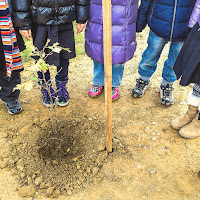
x: 107, y: 40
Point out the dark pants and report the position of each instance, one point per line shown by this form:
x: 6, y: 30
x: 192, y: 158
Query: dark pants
x: 61, y: 76
x: 6, y: 93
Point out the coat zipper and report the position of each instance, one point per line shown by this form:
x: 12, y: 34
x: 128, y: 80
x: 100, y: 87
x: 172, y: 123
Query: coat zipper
x: 173, y: 22
x: 152, y: 10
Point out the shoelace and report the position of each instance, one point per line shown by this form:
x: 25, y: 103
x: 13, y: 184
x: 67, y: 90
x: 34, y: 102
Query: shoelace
x: 167, y: 91
x: 114, y: 91
x: 62, y: 91
x: 140, y: 84
x: 13, y: 104
x: 95, y: 88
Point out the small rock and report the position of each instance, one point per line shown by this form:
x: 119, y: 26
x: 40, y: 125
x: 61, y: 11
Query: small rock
x: 38, y: 180
x: 95, y: 170
x: 74, y: 142
x: 23, y: 175
x: 69, y: 192
x: 78, y: 166
x: 4, y: 163
x: 152, y: 171
x: 27, y: 191
x: 57, y: 192
x: 30, y: 182
x: 49, y: 191
x: 88, y: 170
x: 48, y: 185
x: 34, y: 176
x: 43, y: 185
x: 75, y: 159
x: 55, y: 162
x: 101, y: 148
x: 3, y: 135
x: 154, y: 138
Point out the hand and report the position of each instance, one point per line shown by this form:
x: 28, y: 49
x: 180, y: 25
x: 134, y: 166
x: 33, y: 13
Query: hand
x: 80, y: 28
x: 26, y: 33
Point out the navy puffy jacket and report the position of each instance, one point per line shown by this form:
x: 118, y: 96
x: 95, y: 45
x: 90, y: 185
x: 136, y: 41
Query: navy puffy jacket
x: 166, y: 18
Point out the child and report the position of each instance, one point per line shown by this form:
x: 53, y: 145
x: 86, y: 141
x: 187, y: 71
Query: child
x: 52, y: 20
x: 168, y: 22
x: 124, y: 15
x: 187, y: 67
x: 10, y: 60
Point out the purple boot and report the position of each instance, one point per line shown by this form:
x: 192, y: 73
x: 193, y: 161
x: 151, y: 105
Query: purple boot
x: 63, y: 95
x: 46, y: 99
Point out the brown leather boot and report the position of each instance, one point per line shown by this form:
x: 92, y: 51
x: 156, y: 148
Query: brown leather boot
x: 185, y: 119
x: 192, y: 130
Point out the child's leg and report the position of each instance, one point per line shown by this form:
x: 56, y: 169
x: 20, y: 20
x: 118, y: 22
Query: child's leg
x: 117, y: 74
x: 148, y: 63
x: 98, y: 74
x: 44, y: 78
x: 48, y: 93
x: 168, y: 72
x: 8, y: 94
x: 62, y: 71
x: 151, y: 55
x: 61, y: 81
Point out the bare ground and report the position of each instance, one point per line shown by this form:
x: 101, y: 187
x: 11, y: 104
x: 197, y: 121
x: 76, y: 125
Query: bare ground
x: 149, y: 160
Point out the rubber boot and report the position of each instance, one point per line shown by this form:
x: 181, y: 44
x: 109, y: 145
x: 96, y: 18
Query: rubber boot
x: 192, y: 130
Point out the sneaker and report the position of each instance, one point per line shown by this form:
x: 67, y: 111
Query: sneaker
x: 115, y: 93
x: 46, y: 99
x: 14, y: 107
x: 140, y: 87
x: 166, y: 94
x: 63, y: 95
x: 95, y: 90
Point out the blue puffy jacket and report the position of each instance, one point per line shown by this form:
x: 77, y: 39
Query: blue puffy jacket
x: 166, y: 18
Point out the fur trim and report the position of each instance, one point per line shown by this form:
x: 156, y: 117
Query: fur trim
x: 193, y: 100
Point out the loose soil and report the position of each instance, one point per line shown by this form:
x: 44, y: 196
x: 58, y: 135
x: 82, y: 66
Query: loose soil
x: 149, y: 161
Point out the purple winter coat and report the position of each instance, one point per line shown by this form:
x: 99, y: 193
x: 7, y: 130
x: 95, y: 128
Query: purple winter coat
x: 195, y: 17
x: 124, y: 16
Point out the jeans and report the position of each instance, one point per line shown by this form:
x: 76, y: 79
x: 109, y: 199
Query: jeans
x: 151, y: 55
x: 117, y: 74
x: 61, y: 76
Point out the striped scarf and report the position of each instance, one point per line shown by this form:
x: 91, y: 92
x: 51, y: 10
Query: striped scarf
x: 9, y: 40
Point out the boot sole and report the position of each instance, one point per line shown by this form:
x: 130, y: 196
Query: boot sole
x: 139, y: 96
x: 62, y: 105
x: 187, y: 137
x: 15, y: 113
x: 175, y: 127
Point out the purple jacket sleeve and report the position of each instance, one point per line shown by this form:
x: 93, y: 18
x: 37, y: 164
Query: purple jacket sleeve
x: 195, y: 17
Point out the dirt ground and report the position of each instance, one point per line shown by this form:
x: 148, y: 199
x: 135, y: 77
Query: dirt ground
x: 149, y: 160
